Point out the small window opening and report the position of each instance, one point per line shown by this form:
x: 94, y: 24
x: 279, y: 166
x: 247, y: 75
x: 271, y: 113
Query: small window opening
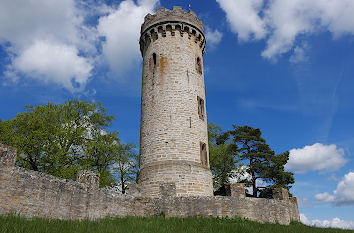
x: 201, y: 109
x: 154, y: 58
x: 199, y: 65
x: 203, y: 154
x: 154, y: 35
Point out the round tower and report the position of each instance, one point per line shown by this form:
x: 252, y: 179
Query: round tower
x: 173, y: 134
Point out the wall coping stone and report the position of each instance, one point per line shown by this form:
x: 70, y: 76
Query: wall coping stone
x: 8, y: 155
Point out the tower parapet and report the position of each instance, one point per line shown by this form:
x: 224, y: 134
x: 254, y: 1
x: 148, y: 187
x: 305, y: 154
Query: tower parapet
x: 174, y: 21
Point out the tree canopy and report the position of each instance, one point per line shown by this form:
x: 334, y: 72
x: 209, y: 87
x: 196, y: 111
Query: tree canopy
x: 126, y: 165
x: 222, y: 156
x: 60, y: 139
x: 244, y: 147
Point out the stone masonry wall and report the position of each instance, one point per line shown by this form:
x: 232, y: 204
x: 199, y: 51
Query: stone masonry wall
x: 34, y: 194
x: 172, y: 43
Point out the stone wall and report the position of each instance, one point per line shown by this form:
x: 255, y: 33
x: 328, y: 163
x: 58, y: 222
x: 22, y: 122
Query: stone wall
x: 34, y: 194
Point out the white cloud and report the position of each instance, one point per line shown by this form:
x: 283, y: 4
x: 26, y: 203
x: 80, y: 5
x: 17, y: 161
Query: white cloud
x: 46, y: 41
x: 49, y: 40
x: 318, y: 157
x: 304, y: 219
x: 121, y: 29
x: 51, y: 62
x: 334, y: 223
x: 243, y: 16
x: 213, y: 37
x: 324, y: 197
x: 22, y: 22
x: 299, y: 54
x: 287, y: 19
x: 281, y: 22
x: 343, y: 195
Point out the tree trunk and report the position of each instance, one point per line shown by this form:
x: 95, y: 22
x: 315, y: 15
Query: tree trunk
x: 254, y: 188
x: 122, y: 182
x: 32, y: 163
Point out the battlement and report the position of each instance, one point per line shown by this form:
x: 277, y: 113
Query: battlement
x: 176, y: 15
x: 174, y: 21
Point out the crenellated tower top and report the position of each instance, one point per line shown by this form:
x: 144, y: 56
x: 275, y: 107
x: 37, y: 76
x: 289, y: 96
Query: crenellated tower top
x: 172, y: 21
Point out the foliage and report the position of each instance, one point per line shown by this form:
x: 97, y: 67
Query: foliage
x: 261, y: 161
x: 242, y: 154
x: 276, y: 174
x: 157, y: 224
x: 221, y: 156
x: 60, y: 139
x: 126, y: 165
x: 100, y: 152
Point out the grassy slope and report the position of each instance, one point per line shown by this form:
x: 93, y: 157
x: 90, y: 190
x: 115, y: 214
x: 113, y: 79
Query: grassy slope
x: 15, y: 224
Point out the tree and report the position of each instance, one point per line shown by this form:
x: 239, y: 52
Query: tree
x: 60, y: 139
x: 261, y: 161
x: 222, y: 158
x: 125, y: 165
x: 277, y: 175
x: 100, y: 151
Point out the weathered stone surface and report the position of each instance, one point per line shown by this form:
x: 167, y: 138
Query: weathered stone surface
x: 35, y: 194
x: 280, y: 194
x: 238, y: 190
x: 176, y: 15
x: 8, y: 155
x: 168, y: 189
x: 88, y: 177
x: 133, y: 190
x: 173, y: 126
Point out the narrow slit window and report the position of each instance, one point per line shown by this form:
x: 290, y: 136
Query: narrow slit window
x: 198, y: 65
x: 154, y: 59
x: 201, y: 109
x: 203, y: 154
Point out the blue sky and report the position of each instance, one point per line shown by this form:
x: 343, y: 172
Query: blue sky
x: 283, y: 66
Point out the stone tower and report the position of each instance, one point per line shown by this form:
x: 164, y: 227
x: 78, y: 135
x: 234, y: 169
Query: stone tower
x: 173, y: 134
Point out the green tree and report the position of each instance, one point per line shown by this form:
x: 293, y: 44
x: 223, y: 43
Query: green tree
x: 277, y: 175
x: 60, y: 139
x: 222, y: 157
x: 261, y: 161
x: 100, y: 151
x: 126, y: 165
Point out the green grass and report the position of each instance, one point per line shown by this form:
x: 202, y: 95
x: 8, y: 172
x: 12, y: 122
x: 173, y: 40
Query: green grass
x: 14, y: 224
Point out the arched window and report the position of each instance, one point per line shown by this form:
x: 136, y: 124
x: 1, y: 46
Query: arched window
x: 198, y: 65
x: 201, y: 109
x: 203, y: 154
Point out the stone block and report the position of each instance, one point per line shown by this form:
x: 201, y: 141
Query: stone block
x: 177, y: 8
x: 90, y: 178
x: 160, y: 10
x: 280, y: 194
x: 168, y: 189
x: 133, y: 190
x: 238, y: 190
x: 8, y: 155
